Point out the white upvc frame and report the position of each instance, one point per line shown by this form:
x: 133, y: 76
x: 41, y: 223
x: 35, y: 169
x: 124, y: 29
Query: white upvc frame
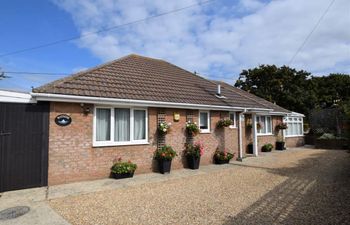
x: 264, y: 134
x: 234, y: 119
x: 199, y: 122
x: 112, y: 142
x: 299, y: 121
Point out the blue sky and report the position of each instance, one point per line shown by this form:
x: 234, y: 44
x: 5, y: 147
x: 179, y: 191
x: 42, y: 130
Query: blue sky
x: 217, y: 40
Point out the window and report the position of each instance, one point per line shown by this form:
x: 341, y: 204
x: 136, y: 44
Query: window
x: 266, y: 124
x: 233, y: 118
x: 204, y: 122
x: 119, y: 126
x: 295, y: 126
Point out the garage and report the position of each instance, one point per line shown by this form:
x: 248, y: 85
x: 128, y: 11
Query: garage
x: 23, y: 141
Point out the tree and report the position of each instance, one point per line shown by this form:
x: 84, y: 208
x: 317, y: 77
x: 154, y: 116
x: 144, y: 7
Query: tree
x: 284, y: 86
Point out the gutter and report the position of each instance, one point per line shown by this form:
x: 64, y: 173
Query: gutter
x: 129, y: 102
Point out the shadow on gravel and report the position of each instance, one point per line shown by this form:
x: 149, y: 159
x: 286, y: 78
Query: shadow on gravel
x: 317, y: 191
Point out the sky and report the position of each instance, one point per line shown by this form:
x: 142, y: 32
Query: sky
x: 217, y: 39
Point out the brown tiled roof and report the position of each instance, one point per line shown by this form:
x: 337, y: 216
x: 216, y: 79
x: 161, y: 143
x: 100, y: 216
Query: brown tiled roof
x: 142, y: 78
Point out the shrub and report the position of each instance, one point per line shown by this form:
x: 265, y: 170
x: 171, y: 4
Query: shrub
x: 123, y: 167
x: 223, y: 155
x: 196, y: 150
x: 192, y: 128
x: 330, y: 136
x: 166, y: 152
x: 224, y: 123
x: 267, y: 147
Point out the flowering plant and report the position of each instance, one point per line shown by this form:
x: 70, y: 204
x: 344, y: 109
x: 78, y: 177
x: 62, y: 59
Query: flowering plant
x: 166, y: 152
x: 223, y: 155
x: 258, y: 125
x: 192, y: 128
x: 224, y: 123
x: 123, y: 167
x: 282, y: 126
x: 196, y: 150
x: 164, y: 127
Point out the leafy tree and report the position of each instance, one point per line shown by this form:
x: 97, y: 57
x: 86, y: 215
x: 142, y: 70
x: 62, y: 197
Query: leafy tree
x: 284, y: 86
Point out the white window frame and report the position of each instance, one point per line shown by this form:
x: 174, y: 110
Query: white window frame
x: 264, y: 134
x: 199, y: 122
x: 96, y: 143
x: 234, y: 125
x: 299, y: 121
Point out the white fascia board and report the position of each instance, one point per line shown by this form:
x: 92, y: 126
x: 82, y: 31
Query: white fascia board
x: 15, y: 97
x: 295, y: 114
x: 127, y: 102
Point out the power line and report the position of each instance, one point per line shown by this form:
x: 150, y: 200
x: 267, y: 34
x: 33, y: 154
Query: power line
x: 35, y: 73
x: 312, y: 31
x: 104, y: 30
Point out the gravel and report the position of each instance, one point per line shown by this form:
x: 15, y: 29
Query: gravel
x: 299, y: 186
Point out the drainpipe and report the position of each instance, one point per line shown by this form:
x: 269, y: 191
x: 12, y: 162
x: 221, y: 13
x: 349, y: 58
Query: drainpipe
x: 255, y: 138
x: 240, y: 136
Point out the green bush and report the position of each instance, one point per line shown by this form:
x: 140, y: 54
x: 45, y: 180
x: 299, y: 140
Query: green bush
x: 123, y: 167
x: 267, y: 147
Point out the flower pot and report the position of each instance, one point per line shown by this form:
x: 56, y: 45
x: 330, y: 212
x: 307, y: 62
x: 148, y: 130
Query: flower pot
x: 250, y: 149
x: 123, y: 175
x: 280, y: 145
x: 164, y: 165
x: 219, y: 161
x: 193, y: 162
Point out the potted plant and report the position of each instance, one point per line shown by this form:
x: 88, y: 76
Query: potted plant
x: 164, y: 128
x: 222, y: 157
x: 281, y: 126
x: 250, y: 126
x: 250, y: 148
x: 192, y: 128
x: 224, y: 123
x: 122, y: 170
x: 267, y: 147
x: 164, y: 157
x: 280, y: 143
x: 193, y: 154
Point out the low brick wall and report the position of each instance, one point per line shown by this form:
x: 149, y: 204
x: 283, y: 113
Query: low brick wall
x: 73, y: 158
x: 295, y: 141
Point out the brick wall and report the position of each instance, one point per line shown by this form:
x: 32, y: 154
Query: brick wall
x: 295, y: 141
x: 72, y: 157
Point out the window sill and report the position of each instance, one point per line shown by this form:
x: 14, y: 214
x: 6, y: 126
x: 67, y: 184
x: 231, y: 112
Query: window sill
x: 96, y: 145
x: 205, y: 132
x: 232, y: 127
x: 289, y: 136
x: 269, y: 134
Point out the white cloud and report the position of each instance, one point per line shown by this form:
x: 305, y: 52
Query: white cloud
x: 219, y: 39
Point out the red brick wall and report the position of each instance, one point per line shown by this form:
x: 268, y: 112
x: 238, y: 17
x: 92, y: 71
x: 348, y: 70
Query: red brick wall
x: 72, y: 157
x: 295, y: 141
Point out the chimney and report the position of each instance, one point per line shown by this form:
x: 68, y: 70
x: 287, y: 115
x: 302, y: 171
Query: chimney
x: 219, y: 90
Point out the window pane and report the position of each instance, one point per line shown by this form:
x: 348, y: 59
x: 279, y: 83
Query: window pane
x: 268, y: 125
x: 232, y: 117
x: 139, y: 124
x: 122, y: 124
x: 263, y: 124
x: 103, y: 124
x: 203, y: 121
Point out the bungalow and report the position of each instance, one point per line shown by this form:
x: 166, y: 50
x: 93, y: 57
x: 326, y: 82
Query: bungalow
x: 113, y: 110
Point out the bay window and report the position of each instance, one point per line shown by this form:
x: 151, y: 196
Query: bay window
x: 119, y: 126
x: 265, y: 125
x: 295, y: 126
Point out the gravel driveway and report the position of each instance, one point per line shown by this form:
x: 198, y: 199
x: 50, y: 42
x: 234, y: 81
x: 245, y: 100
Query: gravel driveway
x: 299, y: 186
